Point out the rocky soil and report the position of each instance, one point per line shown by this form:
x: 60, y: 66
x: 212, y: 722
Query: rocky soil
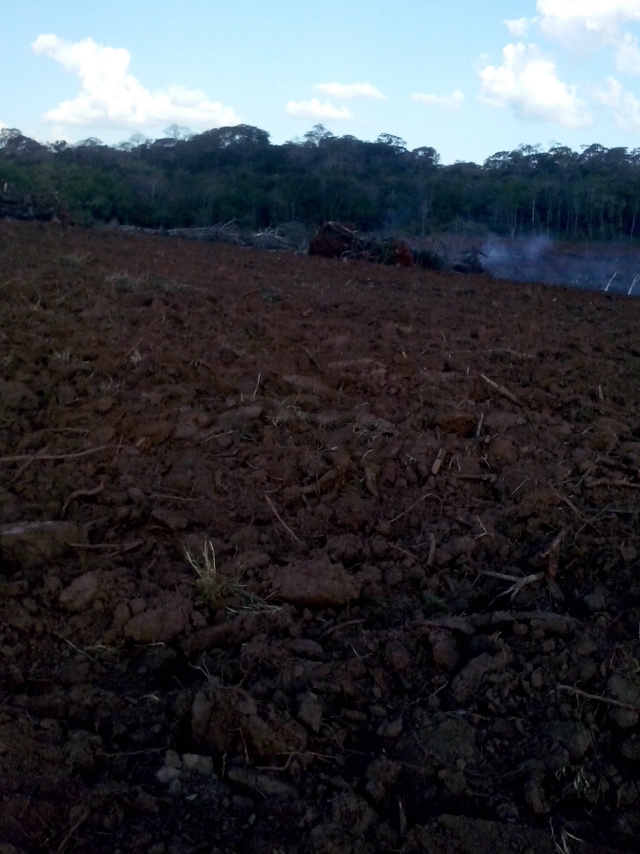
x: 299, y: 555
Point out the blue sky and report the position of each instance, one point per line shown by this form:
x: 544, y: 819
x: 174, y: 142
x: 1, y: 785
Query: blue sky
x: 468, y: 78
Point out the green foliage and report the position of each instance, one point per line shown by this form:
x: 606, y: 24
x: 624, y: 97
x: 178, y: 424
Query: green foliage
x: 236, y: 174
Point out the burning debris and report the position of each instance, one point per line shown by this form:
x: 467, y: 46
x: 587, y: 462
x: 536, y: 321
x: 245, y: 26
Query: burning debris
x: 334, y: 240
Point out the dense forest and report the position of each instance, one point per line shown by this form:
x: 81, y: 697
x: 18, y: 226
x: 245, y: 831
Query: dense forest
x: 236, y: 174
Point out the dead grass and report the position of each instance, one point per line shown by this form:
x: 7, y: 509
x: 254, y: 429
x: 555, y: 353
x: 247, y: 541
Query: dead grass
x: 122, y: 282
x: 216, y: 590
x: 77, y: 258
x: 211, y: 586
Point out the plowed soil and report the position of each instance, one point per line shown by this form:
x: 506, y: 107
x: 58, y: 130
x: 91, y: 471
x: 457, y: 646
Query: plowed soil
x: 300, y: 555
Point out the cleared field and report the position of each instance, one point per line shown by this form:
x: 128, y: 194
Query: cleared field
x: 309, y: 556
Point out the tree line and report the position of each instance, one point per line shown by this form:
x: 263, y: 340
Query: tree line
x: 235, y: 174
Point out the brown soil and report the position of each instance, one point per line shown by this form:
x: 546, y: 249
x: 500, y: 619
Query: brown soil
x: 418, y: 496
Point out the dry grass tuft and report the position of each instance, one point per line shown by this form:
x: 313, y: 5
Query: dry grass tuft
x: 210, y: 585
x: 215, y: 589
x: 122, y: 282
x: 77, y: 258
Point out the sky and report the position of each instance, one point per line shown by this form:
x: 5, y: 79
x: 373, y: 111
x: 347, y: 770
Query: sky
x: 467, y: 77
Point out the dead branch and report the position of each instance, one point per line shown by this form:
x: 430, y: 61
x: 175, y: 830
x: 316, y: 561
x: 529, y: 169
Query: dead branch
x: 503, y: 391
x: 370, y: 480
x: 598, y: 698
x: 432, y: 549
x: 337, y: 626
x: 77, y: 649
x: 25, y: 466
x: 119, y: 548
x: 454, y: 624
x: 255, y: 391
x: 496, y: 618
x: 35, y: 457
x: 490, y: 478
x: 83, y: 817
x: 327, y: 478
x: 518, y: 583
x: 437, y: 463
x: 295, y: 538
x: 551, y: 554
x: 216, y: 436
x: 612, y: 482
x: 80, y: 493
x: 484, y: 533
x: 479, y: 426
x: 569, y: 504
x: 173, y: 497
x: 401, y: 550
x: 408, y: 510
x: 313, y: 361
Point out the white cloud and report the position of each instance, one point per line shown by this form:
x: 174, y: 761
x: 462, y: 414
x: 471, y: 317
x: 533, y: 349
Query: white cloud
x: 314, y: 109
x: 528, y: 83
x: 624, y: 105
x: 450, y: 102
x: 566, y: 19
x: 349, y: 90
x: 628, y: 54
x: 584, y: 25
x: 111, y: 97
x: 519, y: 27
